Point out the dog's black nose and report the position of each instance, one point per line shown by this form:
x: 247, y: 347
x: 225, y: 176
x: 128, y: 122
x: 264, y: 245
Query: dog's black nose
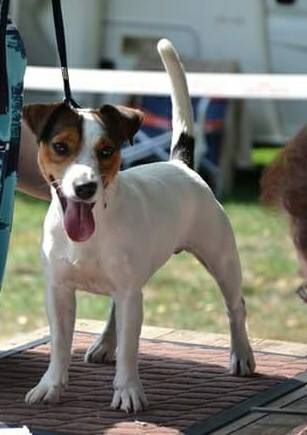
x: 86, y: 191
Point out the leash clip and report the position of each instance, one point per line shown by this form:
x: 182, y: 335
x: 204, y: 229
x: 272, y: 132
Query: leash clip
x: 61, y: 45
x: 64, y: 72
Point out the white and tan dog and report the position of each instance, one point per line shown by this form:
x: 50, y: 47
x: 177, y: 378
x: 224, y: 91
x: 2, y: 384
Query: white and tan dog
x: 107, y: 232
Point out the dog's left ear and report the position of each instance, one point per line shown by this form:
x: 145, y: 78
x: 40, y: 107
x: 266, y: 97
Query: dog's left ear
x: 37, y: 115
x: 121, y: 122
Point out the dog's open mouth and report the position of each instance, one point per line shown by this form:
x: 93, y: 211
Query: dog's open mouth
x: 79, y: 221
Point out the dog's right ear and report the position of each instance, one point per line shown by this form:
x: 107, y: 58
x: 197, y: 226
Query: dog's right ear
x: 37, y: 115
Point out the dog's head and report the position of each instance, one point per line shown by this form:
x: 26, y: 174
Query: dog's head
x: 79, y: 155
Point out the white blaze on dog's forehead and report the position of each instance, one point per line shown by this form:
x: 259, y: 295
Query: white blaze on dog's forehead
x: 92, y: 128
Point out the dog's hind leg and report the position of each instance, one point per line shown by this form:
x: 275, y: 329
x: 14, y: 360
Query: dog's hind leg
x: 224, y: 266
x: 103, y: 349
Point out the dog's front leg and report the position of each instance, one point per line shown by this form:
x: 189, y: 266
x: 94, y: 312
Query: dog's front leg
x: 61, y: 307
x: 128, y: 390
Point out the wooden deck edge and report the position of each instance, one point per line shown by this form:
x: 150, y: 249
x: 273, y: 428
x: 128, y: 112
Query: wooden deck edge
x: 168, y: 334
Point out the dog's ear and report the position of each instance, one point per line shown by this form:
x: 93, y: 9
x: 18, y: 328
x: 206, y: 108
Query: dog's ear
x: 37, y: 115
x: 121, y: 122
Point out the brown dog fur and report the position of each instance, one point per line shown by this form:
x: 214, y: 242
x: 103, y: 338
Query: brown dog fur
x: 284, y: 185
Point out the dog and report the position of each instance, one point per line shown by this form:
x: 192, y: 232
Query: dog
x: 108, y: 231
x: 284, y: 186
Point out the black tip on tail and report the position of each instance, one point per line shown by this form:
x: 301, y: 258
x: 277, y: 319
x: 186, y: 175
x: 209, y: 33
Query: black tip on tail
x: 184, y: 149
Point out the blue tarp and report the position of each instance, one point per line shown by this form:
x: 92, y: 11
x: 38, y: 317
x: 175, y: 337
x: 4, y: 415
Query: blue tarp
x: 10, y: 136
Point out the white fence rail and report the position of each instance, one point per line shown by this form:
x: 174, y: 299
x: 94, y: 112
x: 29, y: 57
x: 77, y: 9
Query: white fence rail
x: 260, y: 86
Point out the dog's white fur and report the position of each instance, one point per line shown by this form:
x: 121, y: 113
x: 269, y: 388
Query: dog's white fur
x: 153, y: 211
x: 182, y: 116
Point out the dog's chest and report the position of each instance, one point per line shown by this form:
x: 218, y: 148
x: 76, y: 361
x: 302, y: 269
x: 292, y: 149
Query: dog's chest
x: 88, y: 267
x: 89, y: 276
x: 96, y: 266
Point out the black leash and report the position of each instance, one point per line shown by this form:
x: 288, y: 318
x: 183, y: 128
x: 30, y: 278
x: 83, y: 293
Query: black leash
x: 4, y: 91
x: 60, y: 38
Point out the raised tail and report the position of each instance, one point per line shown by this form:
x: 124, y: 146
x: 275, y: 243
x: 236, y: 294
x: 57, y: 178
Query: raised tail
x: 182, y: 147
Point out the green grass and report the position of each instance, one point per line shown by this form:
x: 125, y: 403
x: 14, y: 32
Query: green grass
x: 181, y: 294
x: 263, y: 156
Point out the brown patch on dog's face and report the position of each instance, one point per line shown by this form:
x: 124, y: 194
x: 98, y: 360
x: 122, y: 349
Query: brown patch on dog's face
x: 64, y: 134
x: 58, y: 131
x: 121, y: 124
x: 108, y: 156
x: 55, y: 156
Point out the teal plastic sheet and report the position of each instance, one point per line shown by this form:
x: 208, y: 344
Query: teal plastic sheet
x: 10, y: 136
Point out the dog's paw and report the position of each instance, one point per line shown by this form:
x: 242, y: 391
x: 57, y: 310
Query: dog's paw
x: 130, y: 398
x: 242, y: 362
x: 48, y: 390
x: 101, y: 351
x: 44, y: 392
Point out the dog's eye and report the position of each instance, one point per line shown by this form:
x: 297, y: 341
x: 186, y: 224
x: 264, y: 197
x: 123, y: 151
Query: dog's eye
x: 105, y: 152
x: 60, y: 148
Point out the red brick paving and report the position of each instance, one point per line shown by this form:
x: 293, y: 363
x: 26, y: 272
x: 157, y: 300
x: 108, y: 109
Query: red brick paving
x: 184, y: 385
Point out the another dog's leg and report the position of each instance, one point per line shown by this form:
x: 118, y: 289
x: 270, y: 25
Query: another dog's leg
x: 103, y: 349
x: 60, y: 304
x: 128, y: 390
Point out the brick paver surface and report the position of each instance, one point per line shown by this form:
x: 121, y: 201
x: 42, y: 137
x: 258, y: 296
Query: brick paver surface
x: 184, y: 385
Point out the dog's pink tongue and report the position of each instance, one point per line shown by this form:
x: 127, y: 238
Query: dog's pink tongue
x: 79, y: 221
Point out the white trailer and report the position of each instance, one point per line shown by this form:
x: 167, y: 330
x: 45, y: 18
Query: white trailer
x: 263, y: 36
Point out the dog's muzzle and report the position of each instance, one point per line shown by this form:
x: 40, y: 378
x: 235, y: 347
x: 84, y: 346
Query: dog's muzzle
x: 79, y: 221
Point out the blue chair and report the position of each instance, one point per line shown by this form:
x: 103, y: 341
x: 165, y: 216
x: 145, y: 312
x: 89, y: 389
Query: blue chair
x: 152, y: 142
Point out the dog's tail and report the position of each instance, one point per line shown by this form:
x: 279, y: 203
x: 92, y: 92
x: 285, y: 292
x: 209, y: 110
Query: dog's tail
x: 182, y: 147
